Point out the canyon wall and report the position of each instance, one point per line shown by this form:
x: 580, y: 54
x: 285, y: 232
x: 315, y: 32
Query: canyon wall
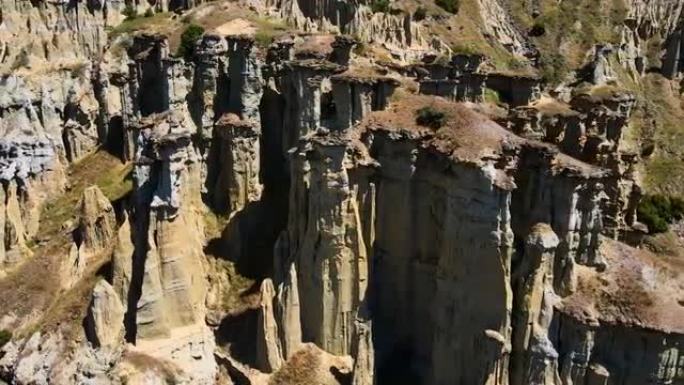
x: 293, y: 215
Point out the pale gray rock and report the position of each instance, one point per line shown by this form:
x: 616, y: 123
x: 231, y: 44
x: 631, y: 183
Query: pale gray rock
x: 269, y: 357
x: 104, y: 323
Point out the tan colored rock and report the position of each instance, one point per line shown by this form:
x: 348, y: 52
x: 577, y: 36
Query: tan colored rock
x: 173, y: 287
x: 122, y: 261
x: 364, y: 355
x: 238, y: 180
x: 97, y: 221
x: 72, y: 267
x: 269, y: 356
x: 332, y: 253
x: 534, y: 359
x: 14, y: 230
x: 104, y: 324
x: 289, y: 318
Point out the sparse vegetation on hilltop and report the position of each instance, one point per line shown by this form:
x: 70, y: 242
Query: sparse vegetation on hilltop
x: 149, y: 23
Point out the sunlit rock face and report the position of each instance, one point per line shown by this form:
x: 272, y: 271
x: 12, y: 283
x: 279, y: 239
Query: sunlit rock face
x: 306, y: 212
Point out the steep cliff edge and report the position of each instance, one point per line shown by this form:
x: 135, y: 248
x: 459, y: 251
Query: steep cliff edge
x: 334, y: 193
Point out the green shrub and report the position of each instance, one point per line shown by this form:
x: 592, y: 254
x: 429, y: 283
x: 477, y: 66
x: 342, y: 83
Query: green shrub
x: 429, y: 117
x: 149, y: 12
x: 420, y: 13
x: 268, y: 29
x: 450, y: 6
x: 491, y: 96
x: 130, y: 12
x: 465, y: 49
x: 5, y: 337
x: 538, y: 29
x: 378, y: 6
x: 657, y: 211
x: 189, y: 37
x: 554, y: 67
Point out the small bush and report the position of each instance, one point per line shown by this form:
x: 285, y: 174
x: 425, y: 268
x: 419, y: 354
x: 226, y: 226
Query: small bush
x: 189, y: 37
x: 429, y: 117
x: 450, y: 6
x: 420, y: 14
x: 491, y: 96
x: 657, y: 211
x: 555, y: 67
x: 149, y: 12
x: 130, y: 12
x: 466, y: 49
x: 378, y: 6
x: 268, y: 29
x: 22, y: 60
x: 263, y: 39
x: 538, y: 29
x: 5, y: 337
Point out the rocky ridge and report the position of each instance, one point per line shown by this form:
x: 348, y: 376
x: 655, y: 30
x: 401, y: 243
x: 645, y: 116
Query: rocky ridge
x: 350, y: 242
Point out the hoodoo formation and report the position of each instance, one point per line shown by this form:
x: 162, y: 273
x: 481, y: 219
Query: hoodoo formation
x: 377, y: 192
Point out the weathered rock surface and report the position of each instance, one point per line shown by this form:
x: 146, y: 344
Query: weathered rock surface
x: 454, y: 251
x: 238, y: 181
x: 97, y: 221
x: 105, y: 317
x: 268, y: 351
x: 172, y: 289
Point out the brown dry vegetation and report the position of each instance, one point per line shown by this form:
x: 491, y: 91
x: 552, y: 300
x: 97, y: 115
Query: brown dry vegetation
x: 32, y: 291
x: 300, y: 369
x: 665, y: 169
x: 143, y: 362
x: 638, y: 289
x: 209, y: 16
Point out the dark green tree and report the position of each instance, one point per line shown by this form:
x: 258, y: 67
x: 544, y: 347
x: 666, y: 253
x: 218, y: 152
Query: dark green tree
x: 189, y: 37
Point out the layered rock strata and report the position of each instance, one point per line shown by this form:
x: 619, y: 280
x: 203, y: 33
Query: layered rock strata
x: 450, y: 253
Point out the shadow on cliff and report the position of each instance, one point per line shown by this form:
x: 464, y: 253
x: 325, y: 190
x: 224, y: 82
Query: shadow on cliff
x: 250, y: 235
x: 237, y: 332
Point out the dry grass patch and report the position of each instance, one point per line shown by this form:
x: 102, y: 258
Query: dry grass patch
x: 31, y: 292
x: 140, y: 363
x: 158, y: 23
x: 665, y: 169
x: 464, y: 34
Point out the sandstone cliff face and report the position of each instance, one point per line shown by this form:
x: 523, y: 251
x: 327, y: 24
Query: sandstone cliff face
x: 405, y: 38
x: 40, y: 34
x: 49, y: 108
x: 171, y: 232
x: 379, y: 249
x: 106, y: 315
